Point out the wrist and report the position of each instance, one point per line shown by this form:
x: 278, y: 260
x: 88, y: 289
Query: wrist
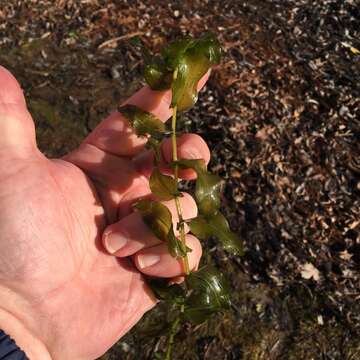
x: 25, y: 340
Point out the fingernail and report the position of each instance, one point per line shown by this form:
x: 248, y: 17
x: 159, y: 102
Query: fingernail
x: 114, y: 242
x: 191, y: 153
x: 148, y: 260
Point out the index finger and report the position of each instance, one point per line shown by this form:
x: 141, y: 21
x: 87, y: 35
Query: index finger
x: 115, y: 135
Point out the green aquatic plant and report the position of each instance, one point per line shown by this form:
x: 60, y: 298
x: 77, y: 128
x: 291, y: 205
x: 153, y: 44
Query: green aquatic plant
x: 179, y: 67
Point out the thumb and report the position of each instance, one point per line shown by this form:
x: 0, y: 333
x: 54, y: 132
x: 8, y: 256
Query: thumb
x: 16, y: 125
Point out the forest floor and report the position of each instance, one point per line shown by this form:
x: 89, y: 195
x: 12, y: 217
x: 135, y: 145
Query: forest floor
x: 281, y: 115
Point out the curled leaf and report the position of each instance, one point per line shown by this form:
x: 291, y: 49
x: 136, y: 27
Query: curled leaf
x: 207, y: 193
x: 163, y: 291
x: 192, y: 58
x: 210, y: 294
x: 163, y: 186
x: 143, y: 122
x: 217, y: 226
x: 196, y: 164
x: 200, y: 227
x: 157, y: 76
x: 191, y: 69
x: 158, y: 218
x: 176, y: 248
x: 174, y: 51
x: 207, y: 189
x: 189, y: 59
x: 210, y: 48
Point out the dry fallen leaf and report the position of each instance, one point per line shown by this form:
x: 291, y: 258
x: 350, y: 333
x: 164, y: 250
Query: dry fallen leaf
x: 309, y: 271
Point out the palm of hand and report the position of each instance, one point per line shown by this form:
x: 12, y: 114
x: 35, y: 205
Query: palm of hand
x: 53, y: 265
x: 87, y: 287
x: 62, y: 223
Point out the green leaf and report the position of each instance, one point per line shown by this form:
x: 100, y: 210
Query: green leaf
x: 157, y: 76
x: 142, y: 121
x: 158, y: 355
x: 158, y: 218
x: 163, y: 186
x: 196, y: 164
x: 207, y: 193
x: 217, y: 226
x: 207, y: 189
x: 210, y: 294
x: 155, y: 328
x: 200, y: 227
x: 230, y: 240
x: 173, y: 52
x: 159, y: 70
x: 207, y: 46
x: 190, y: 70
x: 192, y: 59
x: 163, y: 291
x: 210, y: 47
x: 176, y: 248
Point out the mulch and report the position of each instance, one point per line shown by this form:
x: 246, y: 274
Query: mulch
x: 281, y: 115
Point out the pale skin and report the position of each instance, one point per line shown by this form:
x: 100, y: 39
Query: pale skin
x: 68, y: 290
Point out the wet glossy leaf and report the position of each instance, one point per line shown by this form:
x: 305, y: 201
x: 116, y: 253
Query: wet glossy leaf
x: 191, y: 69
x: 200, y: 227
x: 206, y: 46
x: 192, y: 58
x: 163, y: 186
x: 207, y: 193
x: 163, y: 291
x: 230, y: 240
x: 157, y: 76
x: 210, y: 47
x: 174, y: 51
x: 143, y: 122
x: 156, y: 216
x: 217, y: 226
x: 210, y: 294
x: 207, y: 189
x: 176, y: 248
x: 196, y: 164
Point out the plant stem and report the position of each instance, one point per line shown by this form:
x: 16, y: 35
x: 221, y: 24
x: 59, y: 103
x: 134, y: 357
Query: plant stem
x: 176, y: 173
x: 177, y: 201
x: 170, y: 343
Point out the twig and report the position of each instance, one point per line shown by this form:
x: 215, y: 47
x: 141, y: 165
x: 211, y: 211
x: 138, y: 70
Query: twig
x: 119, y: 38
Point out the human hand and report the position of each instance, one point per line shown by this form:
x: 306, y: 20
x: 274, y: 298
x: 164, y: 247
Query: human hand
x: 63, y: 293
